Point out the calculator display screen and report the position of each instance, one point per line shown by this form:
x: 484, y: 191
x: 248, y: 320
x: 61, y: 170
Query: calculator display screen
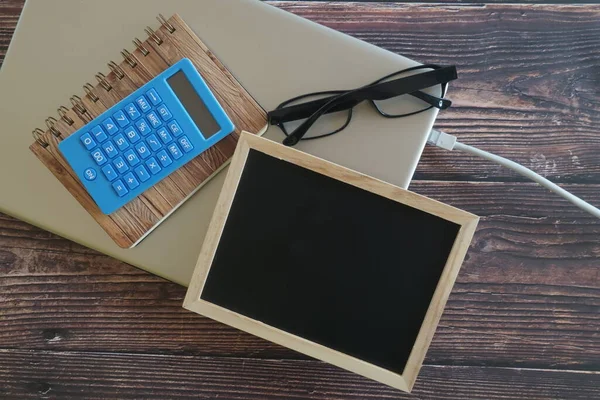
x: 193, y: 104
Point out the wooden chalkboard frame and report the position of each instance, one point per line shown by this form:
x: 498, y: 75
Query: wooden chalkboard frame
x: 405, y: 381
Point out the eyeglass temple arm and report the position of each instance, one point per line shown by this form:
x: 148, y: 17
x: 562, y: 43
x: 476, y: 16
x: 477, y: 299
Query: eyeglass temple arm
x: 304, y: 110
x: 433, y: 101
x: 380, y: 91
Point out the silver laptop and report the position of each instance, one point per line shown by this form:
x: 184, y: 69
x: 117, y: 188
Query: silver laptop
x: 60, y: 45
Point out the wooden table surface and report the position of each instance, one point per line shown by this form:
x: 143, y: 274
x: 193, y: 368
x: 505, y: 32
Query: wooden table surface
x: 523, y: 319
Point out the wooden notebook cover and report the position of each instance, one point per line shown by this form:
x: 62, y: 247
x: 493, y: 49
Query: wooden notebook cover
x: 172, y: 41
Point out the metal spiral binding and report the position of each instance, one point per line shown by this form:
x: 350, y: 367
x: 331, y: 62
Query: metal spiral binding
x: 116, y: 70
x: 103, y: 82
x: 129, y: 58
x: 89, y: 91
x: 140, y: 46
x: 153, y: 35
x: 50, y: 121
x: 38, y: 135
x: 165, y: 23
x: 62, y: 112
x: 78, y: 105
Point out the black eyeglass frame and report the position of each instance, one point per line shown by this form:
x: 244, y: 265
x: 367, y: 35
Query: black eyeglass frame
x: 340, y: 100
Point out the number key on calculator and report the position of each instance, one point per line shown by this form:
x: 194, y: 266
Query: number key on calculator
x: 146, y: 136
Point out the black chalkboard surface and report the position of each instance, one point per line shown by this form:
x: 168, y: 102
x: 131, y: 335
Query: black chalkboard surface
x: 327, y: 261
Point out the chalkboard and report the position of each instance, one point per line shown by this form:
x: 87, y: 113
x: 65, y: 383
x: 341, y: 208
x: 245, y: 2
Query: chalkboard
x: 319, y: 258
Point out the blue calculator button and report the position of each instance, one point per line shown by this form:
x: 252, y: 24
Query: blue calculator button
x: 121, y: 119
x: 154, y: 97
x: 164, y: 135
x: 121, y: 142
x: 185, y: 144
x: 153, y: 119
x: 90, y: 174
x: 164, y: 112
x: 98, y: 156
x: 132, y: 134
x: 142, y: 150
x: 143, y: 127
x: 99, y: 134
x: 132, y: 111
x: 175, y: 128
x: 110, y: 126
x: 87, y: 141
x: 130, y: 181
x: 121, y: 165
x: 142, y: 174
x: 153, y: 166
x: 142, y: 103
x: 164, y: 158
x: 120, y: 188
x: 109, y: 172
x: 175, y: 152
x: 109, y: 149
x: 153, y: 143
x: 131, y: 157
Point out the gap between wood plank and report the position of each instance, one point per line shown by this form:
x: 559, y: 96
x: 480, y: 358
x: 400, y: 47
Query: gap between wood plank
x: 293, y: 360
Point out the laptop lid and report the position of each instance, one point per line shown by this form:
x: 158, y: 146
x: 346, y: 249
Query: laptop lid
x: 276, y: 55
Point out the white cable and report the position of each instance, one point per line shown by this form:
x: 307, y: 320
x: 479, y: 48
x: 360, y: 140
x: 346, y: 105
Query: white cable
x: 449, y: 142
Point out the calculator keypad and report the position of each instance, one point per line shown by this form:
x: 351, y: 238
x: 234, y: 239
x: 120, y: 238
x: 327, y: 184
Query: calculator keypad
x: 126, y: 146
x: 141, y: 140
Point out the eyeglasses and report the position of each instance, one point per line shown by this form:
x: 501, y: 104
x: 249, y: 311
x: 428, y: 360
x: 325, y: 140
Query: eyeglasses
x: 397, y: 95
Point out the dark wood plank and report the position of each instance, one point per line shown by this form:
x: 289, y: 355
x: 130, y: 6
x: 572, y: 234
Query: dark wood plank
x: 9, y: 15
x: 527, y: 295
x: 65, y: 375
x: 528, y: 79
x: 530, y: 283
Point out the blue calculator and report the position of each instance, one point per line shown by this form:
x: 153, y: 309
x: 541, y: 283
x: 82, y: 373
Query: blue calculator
x: 146, y: 136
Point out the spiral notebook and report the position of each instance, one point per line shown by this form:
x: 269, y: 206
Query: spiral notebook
x: 172, y: 41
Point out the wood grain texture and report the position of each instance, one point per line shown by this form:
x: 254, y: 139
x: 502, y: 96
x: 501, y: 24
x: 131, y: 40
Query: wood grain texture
x: 66, y: 375
x: 522, y: 321
x: 527, y: 282
x: 528, y: 86
x: 128, y: 225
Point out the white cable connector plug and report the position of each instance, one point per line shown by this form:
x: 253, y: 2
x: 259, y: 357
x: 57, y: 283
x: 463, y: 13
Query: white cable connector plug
x: 441, y: 139
x: 449, y: 142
